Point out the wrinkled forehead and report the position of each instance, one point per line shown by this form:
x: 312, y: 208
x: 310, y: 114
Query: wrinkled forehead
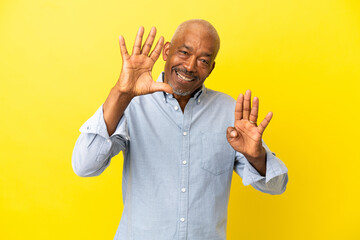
x: 196, y: 37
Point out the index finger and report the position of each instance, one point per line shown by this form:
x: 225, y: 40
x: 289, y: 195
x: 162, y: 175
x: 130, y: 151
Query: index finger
x: 149, y: 41
x: 154, y: 55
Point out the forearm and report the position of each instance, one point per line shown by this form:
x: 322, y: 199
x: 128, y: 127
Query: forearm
x: 135, y: 77
x: 273, y: 181
x: 114, y: 108
x: 259, y: 162
x: 94, y: 148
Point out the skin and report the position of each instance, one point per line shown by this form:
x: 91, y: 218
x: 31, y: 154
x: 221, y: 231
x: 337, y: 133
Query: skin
x: 191, y: 53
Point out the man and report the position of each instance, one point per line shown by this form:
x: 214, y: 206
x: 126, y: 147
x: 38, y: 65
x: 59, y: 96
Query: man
x: 179, y: 151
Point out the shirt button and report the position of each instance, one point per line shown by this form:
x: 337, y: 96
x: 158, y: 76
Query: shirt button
x: 183, y: 190
x: 184, y: 162
x: 184, y: 133
x: 108, y: 140
x: 182, y: 219
x: 88, y: 128
x: 176, y: 108
x: 199, y: 101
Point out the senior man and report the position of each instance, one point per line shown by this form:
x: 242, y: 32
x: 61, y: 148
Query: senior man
x: 180, y: 140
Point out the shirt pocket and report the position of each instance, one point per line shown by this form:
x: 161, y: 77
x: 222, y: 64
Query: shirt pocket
x: 217, y: 155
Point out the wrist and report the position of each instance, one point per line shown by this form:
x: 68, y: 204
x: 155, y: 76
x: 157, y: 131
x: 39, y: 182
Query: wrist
x: 123, y: 94
x: 258, y: 158
x: 123, y: 90
x: 259, y: 162
x: 125, y: 85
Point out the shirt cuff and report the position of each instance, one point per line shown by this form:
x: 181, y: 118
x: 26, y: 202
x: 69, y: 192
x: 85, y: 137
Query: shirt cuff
x: 274, y: 168
x: 96, y: 125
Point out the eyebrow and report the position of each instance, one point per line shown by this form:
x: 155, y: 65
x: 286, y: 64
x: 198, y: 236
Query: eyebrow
x: 187, y: 47
x: 191, y: 49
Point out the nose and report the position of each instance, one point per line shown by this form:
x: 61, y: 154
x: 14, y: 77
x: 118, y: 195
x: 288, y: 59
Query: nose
x: 190, y: 64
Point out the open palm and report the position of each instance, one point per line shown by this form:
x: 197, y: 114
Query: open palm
x: 246, y: 136
x: 135, y: 78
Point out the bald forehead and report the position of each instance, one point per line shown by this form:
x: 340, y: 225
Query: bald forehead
x: 198, y: 25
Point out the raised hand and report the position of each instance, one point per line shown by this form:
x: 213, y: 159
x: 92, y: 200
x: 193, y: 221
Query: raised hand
x: 246, y: 136
x: 135, y: 77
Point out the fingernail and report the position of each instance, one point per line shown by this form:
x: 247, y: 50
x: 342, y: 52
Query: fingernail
x: 233, y: 133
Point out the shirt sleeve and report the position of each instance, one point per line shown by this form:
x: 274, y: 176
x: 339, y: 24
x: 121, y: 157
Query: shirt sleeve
x: 275, y: 179
x: 94, y: 148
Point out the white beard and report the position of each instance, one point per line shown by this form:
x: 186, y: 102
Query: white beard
x: 180, y: 92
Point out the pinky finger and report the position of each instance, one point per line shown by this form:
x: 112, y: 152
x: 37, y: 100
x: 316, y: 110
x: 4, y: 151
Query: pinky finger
x: 123, y: 50
x: 265, y: 122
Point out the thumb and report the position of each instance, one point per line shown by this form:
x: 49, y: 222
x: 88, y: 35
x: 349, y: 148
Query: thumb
x: 231, y: 133
x: 158, y: 86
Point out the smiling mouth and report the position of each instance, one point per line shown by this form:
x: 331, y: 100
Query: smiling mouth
x: 183, y: 77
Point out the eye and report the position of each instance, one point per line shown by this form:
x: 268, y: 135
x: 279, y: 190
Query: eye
x: 204, y: 61
x: 183, y: 52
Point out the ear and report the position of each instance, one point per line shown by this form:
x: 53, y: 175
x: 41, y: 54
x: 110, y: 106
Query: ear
x: 165, y: 51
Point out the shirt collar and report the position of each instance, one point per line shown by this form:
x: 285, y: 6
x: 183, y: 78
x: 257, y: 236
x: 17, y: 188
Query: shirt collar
x: 197, y: 96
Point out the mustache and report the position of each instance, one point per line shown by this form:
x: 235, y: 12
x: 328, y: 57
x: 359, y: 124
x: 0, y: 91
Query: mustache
x: 183, y: 70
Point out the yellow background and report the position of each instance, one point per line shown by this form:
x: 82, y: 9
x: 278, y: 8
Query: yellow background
x: 59, y: 59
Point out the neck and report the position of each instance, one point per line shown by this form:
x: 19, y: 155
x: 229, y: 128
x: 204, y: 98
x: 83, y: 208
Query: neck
x: 182, y: 100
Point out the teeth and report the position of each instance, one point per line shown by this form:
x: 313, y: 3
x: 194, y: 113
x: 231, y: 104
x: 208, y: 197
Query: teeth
x: 183, y: 77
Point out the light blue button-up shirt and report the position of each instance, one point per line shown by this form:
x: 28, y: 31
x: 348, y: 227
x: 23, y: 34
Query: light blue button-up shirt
x: 177, y: 166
